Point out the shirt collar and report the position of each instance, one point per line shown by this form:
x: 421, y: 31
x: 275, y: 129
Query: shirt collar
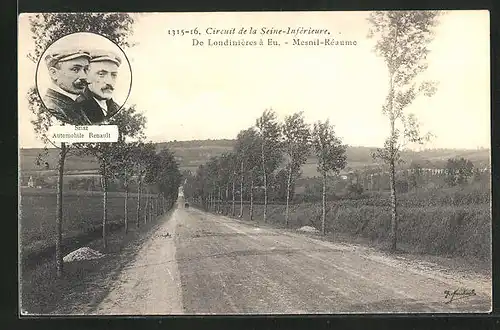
x: 62, y: 91
x: 103, y: 105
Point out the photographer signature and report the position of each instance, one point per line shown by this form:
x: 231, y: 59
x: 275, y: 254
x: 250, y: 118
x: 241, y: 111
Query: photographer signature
x: 458, y: 294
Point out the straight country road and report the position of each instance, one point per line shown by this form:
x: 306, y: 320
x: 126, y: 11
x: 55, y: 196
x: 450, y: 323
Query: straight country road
x: 202, y: 263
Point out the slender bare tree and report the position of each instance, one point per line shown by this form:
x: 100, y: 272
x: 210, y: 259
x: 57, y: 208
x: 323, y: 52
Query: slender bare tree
x: 402, y: 39
x: 269, y: 132
x: 296, y: 146
x: 331, y: 154
x: 46, y: 28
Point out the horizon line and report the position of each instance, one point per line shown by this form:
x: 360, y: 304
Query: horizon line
x: 348, y: 145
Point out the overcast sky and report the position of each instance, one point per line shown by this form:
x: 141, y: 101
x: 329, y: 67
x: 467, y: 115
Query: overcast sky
x: 189, y: 92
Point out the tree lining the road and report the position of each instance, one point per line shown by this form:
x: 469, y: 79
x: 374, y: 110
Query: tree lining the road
x: 143, y: 154
x: 111, y: 155
x: 266, y: 159
x: 46, y: 28
x: 331, y: 155
x: 246, y: 149
x: 270, y: 139
x: 296, y: 147
x: 118, y: 161
x: 402, y: 39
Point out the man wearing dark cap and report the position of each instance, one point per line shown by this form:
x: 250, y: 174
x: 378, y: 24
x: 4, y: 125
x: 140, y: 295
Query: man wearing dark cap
x: 68, y: 71
x: 96, y: 100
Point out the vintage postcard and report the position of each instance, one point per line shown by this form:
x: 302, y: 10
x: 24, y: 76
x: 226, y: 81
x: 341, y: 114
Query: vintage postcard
x: 254, y: 163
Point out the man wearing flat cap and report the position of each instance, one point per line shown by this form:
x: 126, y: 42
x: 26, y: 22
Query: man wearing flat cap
x: 97, y: 99
x: 68, y: 71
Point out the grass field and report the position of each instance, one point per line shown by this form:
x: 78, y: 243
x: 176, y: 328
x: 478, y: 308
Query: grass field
x: 82, y: 213
x: 28, y: 160
x: 83, y: 282
x: 444, y: 222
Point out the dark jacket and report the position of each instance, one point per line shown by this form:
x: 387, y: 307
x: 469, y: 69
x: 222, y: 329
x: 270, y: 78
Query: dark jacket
x: 93, y: 110
x: 64, y: 108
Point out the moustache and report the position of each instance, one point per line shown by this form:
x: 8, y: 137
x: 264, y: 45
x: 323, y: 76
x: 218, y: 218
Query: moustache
x: 108, y: 88
x: 81, y: 83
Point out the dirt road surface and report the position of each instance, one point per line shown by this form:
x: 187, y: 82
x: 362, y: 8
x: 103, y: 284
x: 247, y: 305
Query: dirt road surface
x: 201, y: 263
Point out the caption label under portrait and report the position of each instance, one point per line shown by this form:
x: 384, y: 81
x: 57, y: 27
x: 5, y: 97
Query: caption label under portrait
x: 83, y: 134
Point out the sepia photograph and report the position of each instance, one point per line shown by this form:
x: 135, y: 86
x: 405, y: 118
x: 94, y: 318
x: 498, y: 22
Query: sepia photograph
x: 78, y: 78
x: 265, y: 163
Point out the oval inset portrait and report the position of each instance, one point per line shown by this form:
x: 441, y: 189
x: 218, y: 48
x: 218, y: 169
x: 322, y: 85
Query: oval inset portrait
x: 83, y: 79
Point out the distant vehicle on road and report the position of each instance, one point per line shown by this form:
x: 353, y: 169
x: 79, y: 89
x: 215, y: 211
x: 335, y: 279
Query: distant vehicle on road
x: 186, y: 205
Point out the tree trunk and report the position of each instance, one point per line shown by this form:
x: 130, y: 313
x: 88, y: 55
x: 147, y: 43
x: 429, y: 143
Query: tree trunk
x: 139, y: 188
x: 214, y: 195
x: 323, y: 215
x: 104, y: 204
x: 151, y: 208
x: 264, y: 176
x: 59, y: 217
x: 233, y: 211
x: 126, y: 210
x: 251, y: 198
x: 392, y: 165
x: 214, y: 201
x: 241, y: 191
x: 288, y: 194
x: 219, y: 207
x: 152, y: 213
x: 226, y: 202
x: 394, y: 218
x: 151, y: 203
x: 146, y: 207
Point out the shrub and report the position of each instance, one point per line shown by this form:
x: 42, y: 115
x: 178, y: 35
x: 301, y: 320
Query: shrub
x: 443, y: 222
